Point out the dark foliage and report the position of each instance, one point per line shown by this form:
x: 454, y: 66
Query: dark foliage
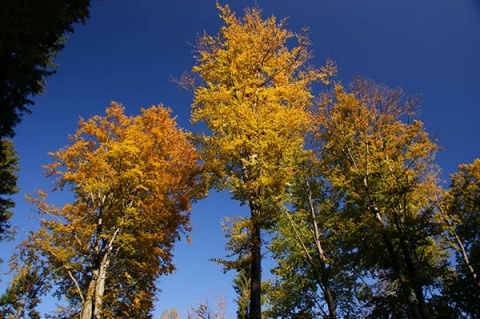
x: 32, y: 33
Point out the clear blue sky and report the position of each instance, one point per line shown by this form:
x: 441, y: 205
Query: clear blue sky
x: 128, y: 50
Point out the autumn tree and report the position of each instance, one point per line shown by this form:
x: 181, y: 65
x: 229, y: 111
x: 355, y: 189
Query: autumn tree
x: 380, y: 157
x: 8, y: 183
x: 253, y: 100
x: 132, y: 180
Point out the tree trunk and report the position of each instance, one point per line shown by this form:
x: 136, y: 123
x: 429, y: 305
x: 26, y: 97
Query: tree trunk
x: 404, y: 282
x: 463, y: 251
x: 256, y: 265
x: 416, y: 283
x: 327, y: 290
x: 92, y: 306
x: 100, y: 286
x: 87, y: 306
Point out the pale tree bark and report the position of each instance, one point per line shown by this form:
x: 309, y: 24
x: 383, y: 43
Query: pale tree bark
x: 92, y: 306
x: 324, y: 271
x: 319, y: 266
x: 87, y: 306
x: 460, y: 245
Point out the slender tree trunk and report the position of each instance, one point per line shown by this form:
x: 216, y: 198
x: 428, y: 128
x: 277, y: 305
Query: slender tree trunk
x: 459, y: 242
x: 256, y: 265
x: 327, y: 289
x: 324, y: 271
x: 402, y: 277
x: 322, y: 275
x: 466, y: 260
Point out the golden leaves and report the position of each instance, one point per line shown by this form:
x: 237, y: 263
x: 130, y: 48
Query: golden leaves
x: 254, y: 101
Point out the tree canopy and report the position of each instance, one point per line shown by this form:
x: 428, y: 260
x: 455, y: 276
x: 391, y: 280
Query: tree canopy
x: 132, y: 180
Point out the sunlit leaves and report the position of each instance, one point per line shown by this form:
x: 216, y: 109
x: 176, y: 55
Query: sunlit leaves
x: 132, y: 180
x: 254, y: 102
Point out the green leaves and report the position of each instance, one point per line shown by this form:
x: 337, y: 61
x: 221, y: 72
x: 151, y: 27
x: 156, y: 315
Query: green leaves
x: 462, y: 204
x: 363, y: 219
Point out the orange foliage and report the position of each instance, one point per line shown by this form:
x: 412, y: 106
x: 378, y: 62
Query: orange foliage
x: 133, y: 181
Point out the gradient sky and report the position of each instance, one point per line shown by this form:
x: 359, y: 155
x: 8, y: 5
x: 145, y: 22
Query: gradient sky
x: 129, y: 49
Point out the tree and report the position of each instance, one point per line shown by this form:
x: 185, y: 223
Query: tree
x: 462, y: 203
x: 313, y: 276
x: 379, y: 156
x: 253, y: 100
x: 208, y: 310
x: 8, y: 183
x: 32, y: 33
x: 171, y: 313
x: 132, y: 180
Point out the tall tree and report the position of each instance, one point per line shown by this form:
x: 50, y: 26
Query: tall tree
x: 462, y: 202
x: 253, y: 100
x: 381, y: 158
x: 8, y: 183
x: 132, y: 180
x: 313, y: 277
x: 32, y: 33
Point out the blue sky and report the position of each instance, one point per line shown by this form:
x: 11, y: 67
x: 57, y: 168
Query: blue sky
x: 128, y: 50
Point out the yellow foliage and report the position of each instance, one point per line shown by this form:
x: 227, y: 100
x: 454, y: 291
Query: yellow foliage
x: 254, y: 101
